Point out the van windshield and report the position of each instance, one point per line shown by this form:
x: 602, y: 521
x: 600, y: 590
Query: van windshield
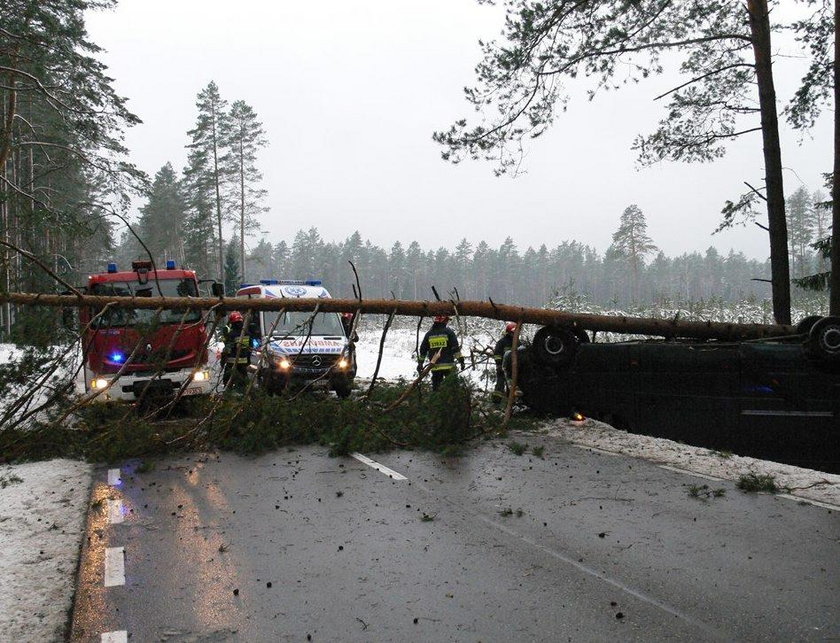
x: 296, y: 324
x: 159, y: 288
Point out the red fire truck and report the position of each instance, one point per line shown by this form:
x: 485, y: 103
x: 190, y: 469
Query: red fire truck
x: 133, y: 354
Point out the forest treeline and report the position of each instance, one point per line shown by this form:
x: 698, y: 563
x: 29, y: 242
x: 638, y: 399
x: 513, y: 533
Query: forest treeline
x: 631, y: 271
x: 67, y: 185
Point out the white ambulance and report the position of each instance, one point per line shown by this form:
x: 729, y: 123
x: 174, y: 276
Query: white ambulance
x: 296, y: 348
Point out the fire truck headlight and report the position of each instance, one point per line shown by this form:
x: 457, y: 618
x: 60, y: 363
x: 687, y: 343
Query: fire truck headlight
x: 343, y: 363
x: 99, y: 383
x: 284, y: 364
x: 201, y: 376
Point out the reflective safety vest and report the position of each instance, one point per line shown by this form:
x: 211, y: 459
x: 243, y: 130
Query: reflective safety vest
x: 443, y: 339
x: 237, y: 345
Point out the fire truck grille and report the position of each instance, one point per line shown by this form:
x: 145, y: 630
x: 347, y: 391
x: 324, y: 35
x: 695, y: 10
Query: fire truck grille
x: 163, y: 356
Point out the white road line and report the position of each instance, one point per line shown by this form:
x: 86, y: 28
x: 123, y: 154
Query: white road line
x: 379, y: 467
x: 114, y: 566
x: 114, y: 477
x: 115, y: 512
x: 115, y: 637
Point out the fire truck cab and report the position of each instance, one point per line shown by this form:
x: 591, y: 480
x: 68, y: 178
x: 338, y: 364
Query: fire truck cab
x: 298, y: 348
x: 141, y: 354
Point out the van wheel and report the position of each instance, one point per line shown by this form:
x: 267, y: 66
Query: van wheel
x: 555, y: 346
x: 824, y: 339
x: 805, y: 325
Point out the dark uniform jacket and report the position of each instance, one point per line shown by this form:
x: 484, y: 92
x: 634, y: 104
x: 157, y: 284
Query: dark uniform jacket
x: 504, y: 344
x: 237, y: 344
x: 440, y: 337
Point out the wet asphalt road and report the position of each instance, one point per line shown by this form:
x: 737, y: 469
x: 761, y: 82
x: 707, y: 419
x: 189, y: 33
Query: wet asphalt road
x: 578, y: 545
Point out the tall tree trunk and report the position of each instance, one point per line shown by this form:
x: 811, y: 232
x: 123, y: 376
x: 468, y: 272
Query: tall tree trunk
x: 779, y: 265
x: 216, y: 182
x: 834, y: 283
x: 241, y: 208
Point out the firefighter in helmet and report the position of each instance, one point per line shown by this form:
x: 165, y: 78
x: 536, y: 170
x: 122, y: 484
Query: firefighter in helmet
x: 237, y: 352
x: 504, y: 345
x: 440, y: 339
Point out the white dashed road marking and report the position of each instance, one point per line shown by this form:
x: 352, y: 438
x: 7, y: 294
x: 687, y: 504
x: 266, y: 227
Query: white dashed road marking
x: 114, y: 566
x: 115, y: 637
x: 115, y: 512
x: 114, y: 477
x: 379, y: 467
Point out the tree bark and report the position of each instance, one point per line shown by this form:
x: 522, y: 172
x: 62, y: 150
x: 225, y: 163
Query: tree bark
x: 777, y: 223
x: 834, y: 281
x: 217, y: 179
x: 670, y: 328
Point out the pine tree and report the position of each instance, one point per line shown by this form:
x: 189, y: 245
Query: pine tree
x: 244, y: 136
x: 726, y: 59
x: 632, y: 243
x: 206, y: 177
x: 161, y: 224
x: 800, y: 231
x: 232, y: 278
x: 62, y: 161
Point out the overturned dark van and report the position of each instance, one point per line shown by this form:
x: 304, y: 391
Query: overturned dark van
x: 774, y: 399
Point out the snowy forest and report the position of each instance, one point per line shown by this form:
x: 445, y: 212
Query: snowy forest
x: 71, y: 200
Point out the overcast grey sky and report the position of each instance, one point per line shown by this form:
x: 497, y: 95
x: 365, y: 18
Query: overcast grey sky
x: 349, y: 94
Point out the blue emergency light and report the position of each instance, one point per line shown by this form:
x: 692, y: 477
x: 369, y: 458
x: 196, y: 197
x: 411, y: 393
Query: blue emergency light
x: 119, y: 358
x: 269, y: 282
x: 112, y: 267
x: 170, y: 264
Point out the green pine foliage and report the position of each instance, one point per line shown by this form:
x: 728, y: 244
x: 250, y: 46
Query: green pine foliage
x: 107, y: 432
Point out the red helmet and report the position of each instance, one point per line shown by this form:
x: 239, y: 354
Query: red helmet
x: 234, y: 317
x: 441, y: 319
x: 510, y: 327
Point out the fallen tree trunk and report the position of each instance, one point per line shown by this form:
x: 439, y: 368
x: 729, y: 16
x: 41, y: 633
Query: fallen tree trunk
x: 670, y: 328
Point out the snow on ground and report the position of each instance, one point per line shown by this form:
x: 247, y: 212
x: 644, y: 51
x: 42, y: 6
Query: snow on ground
x: 399, y: 350
x: 42, y: 520
x: 43, y: 505
x: 802, y: 483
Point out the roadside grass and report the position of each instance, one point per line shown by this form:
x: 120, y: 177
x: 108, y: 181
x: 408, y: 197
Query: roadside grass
x: 517, y: 448
x: 704, y: 492
x: 446, y: 421
x: 755, y: 482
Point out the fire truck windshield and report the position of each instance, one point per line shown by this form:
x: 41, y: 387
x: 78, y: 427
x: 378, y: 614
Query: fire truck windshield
x: 159, y: 288
x: 297, y: 323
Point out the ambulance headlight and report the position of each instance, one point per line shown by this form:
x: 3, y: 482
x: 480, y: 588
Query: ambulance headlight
x: 99, y: 383
x: 284, y: 364
x: 343, y: 363
x: 201, y: 376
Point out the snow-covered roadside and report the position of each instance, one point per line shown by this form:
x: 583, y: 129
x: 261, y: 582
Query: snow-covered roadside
x: 42, y: 521
x: 810, y: 485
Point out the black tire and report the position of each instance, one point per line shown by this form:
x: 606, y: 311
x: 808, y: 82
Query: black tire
x: 824, y: 339
x: 555, y: 346
x: 805, y: 325
x: 342, y: 389
x: 271, y: 383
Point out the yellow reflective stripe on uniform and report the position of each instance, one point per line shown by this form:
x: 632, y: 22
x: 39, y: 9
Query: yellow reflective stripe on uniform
x: 438, y: 341
x: 443, y: 367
